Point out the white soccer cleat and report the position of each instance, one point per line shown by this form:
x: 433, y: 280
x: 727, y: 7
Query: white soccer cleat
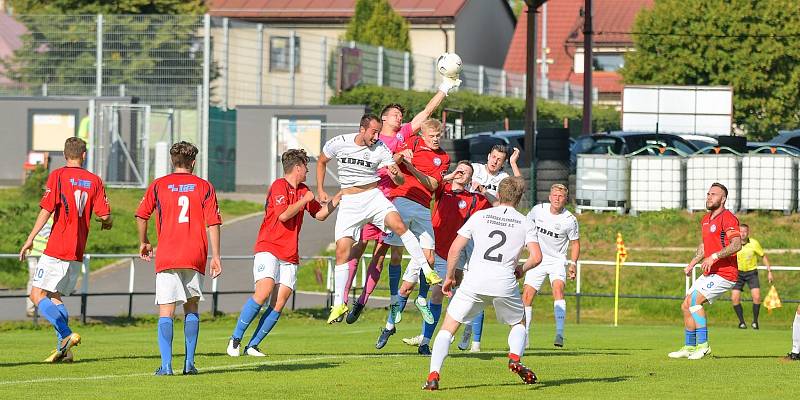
x: 684, y: 352
x: 701, y: 351
x: 475, y: 348
x: 413, y: 341
x: 233, y: 347
x: 465, y: 338
x: 254, y: 351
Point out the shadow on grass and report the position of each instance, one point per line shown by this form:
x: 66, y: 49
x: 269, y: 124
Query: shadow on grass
x: 273, y: 367
x: 546, y: 384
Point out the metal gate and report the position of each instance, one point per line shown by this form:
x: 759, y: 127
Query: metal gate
x: 121, y: 154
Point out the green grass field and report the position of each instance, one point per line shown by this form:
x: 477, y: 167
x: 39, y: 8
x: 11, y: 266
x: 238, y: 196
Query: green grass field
x: 309, y: 359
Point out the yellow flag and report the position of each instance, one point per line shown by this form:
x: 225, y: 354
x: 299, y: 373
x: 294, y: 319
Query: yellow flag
x: 772, y: 300
x: 622, y: 253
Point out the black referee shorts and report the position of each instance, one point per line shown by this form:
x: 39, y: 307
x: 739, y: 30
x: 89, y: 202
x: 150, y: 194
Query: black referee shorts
x: 749, y: 277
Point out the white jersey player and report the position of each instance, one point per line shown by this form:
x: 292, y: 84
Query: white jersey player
x: 499, y: 234
x: 487, y: 177
x: 359, y: 156
x: 557, y: 229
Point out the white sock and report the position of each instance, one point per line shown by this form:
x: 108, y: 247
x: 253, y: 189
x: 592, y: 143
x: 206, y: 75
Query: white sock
x: 340, y: 275
x: 411, y: 244
x: 528, y: 318
x: 516, y: 340
x: 560, y: 314
x: 441, y: 346
x: 796, y: 334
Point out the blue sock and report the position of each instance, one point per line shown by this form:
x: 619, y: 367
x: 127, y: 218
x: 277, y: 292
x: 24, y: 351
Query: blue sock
x: 402, y: 303
x: 50, y: 311
x: 265, y: 324
x: 702, y: 335
x: 423, y: 287
x: 560, y: 314
x: 691, y: 337
x: 394, y: 279
x: 165, y: 342
x: 63, y: 310
x: 191, y: 329
x: 249, y: 311
x: 436, y: 310
x: 477, y: 327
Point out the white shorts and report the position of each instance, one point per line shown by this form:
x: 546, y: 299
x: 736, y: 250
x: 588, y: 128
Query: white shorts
x: 711, y: 286
x: 465, y: 305
x: 265, y: 265
x: 178, y: 286
x: 54, y: 275
x: 417, y: 219
x: 357, y: 210
x: 440, y: 264
x: 557, y: 271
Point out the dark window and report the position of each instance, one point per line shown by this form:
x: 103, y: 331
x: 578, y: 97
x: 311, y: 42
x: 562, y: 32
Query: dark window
x: 607, y: 61
x: 279, y: 53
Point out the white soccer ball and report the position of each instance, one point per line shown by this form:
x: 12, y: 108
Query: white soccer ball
x: 449, y: 65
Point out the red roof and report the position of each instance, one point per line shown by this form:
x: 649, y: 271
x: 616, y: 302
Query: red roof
x: 612, y: 19
x: 328, y: 9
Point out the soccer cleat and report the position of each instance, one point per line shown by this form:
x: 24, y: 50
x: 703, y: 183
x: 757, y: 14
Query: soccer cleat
x: 66, y: 344
x: 465, y: 338
x: 422, y: 306
x: 792, y: 357
x: 68, y: 358
x: 433, y: 278
x: 162, y: 372
x: 754, y: 325
x: 433, y: 382
x: 742, y: 326
x: 558, y: 341
x: 700, y: 351
x: 395, y: 313
x: 424, y: 349
x: 413, y: 341
x: 524, y: 372
x: 353, y: 315
x: 190, y: 371
x: 683, y: 352
x: 233, y: 347
x: 475, y: 348
x: 55, y: 356
x: 384, y: 337
x: 337, y: 312
x: 253, y: 351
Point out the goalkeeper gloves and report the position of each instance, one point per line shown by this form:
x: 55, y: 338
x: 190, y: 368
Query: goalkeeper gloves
x: 449, y: 84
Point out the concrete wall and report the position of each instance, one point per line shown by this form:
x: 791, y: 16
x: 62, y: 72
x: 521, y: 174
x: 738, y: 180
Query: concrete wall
x: 488, y: 44
x: 254, y: 141
x: 16, y: 132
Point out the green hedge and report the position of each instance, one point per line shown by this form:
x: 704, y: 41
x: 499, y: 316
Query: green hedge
x: 477, y: 108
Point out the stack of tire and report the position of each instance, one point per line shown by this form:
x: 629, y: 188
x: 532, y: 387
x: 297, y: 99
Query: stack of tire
x: 457, y: 149
x: 552, y: 160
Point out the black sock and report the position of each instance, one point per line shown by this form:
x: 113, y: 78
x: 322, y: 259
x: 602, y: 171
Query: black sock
x: 756, y: 309
x: 739, y: 312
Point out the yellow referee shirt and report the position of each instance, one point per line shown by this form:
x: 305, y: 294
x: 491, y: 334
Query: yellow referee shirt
x: 747, y: 257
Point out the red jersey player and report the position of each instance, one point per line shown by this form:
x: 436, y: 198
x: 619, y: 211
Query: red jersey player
x: 72, y: 194
x: 185, y: 205
x: 276, y: 256
x: 717, y: 251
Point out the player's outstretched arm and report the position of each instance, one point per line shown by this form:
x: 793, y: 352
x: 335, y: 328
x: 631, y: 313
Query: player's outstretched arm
x: 513, y: 161
x: 216, y: 261
x: 427, y: 181
x: 453, y: 256
x: 322, y: 163
x: 295, y: 208
x: 145, y: 248
x: 534, y: 258
x: 395, y: 175
x: 416, y: 122
x: 328, y: 208
x: 41, y: 219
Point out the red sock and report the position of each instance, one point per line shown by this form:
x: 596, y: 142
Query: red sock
x: 513, y: 357
x: 433, y: 376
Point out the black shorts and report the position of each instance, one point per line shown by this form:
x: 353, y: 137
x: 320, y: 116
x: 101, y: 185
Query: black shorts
x: 749, y: 277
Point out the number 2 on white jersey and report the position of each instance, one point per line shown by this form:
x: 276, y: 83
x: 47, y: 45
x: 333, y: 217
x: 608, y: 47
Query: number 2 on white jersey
x: 80, y: 201
x: 183, y: 202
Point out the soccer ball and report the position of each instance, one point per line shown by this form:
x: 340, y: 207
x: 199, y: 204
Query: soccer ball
x: 449, y: 65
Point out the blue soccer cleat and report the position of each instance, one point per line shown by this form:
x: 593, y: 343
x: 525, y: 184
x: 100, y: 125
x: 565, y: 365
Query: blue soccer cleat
x: 384, y: 337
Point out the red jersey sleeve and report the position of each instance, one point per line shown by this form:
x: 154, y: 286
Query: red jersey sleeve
x: 482, y: 203
x: 50, y: 198
x: 211, y: 207
x: 730, y: 225
x: 279, y: 197
x: 148, y: 203
x: 101, y: 206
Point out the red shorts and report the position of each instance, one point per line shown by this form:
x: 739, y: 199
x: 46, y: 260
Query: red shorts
x: 371, y: 232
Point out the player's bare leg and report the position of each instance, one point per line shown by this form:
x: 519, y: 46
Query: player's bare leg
x: 528, y: 294
x: 52, y: 308
x: 559, y: 311
x: 191, y: 331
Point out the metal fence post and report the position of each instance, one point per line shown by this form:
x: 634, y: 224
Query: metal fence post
x: 44, y: 89
x: 503, y: 82
x: 480, y: 79
x: 84, y: 284
x: 225, y: 62
x: 98, y: 80
x: 578, y: 293
x: 206, y: 93
x: 260, y: 64
x: 214, y: 298
x: 380, y: 66
x: 292, y: 64
x: 566, y: 93
x: 131, y: 276
x: 406, y: 70
x: 324, y: 88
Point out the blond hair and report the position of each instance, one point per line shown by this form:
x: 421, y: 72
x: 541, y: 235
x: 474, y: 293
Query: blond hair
x: 510, y: 190
x: 561, y: 187
x: 431, y: 124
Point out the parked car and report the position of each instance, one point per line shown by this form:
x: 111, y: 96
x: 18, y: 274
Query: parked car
x: 773, y: 148
x: 791, y: 138
x: 628, y: 142
x: 481, y: 143
x: 701, y: 141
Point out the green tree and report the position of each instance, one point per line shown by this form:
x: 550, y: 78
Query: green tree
x: 376, y: 23
x: 751, y: 45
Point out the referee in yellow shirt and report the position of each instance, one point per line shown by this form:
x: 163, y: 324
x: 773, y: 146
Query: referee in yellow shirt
x: 747, y: 259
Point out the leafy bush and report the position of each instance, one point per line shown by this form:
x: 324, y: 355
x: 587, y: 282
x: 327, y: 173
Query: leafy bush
x: 33, y: 188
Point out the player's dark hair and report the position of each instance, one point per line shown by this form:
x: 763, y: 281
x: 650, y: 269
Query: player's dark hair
x: 390, y: 106
x: 510, y: 190
x: 467, y: 163
x: 721, y: 186
x: 183, y: 154
x: 293, y: 157
x: 501, y: 148
x: 367, y: 118
x: 744, y: 226
x: 73, y: 148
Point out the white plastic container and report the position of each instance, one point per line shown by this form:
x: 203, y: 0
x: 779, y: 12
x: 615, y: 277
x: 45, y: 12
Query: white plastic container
x: 704, y: 169
x: 657, y: 183
x: 602, y: 182
x: 769, y: 182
